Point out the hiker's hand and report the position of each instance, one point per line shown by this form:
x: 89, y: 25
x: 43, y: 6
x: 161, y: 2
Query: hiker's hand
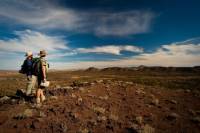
x: 45, y: 80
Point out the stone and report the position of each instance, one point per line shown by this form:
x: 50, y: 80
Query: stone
x: 198, y: 112
x: 85, y: 130
x: 13, y: 101
x: 99, y: 81
x: 187, y: 90
x: 155, y: 101
x: 79, y: 101
x: 92, y: 83
x: 103, y: 97
x: 101, y: 118
x: 53, y: 97
x: 35, y: 125
x: 99, y: 110
x: 74, y: 115
x: 173, y: 101
x: 129, y: 83
x: 192, y: 112
x: 82, y: 89
x: 140, y: 91
x: 42, y: 114
x: 148, y: 129
x: 58, y: 86
x: 130, y: 130
x: 113, y: 117
x: 152, y: 96
x: 139, y: 119
x: 85, y: 83
x: 73, y: 95
x: 91, y: 123
x: 172, y: 116
x: 63, y: 127
x: 68, y: 88
x: 28, y: 113
x: 195, y: 120
x: 5, y: 98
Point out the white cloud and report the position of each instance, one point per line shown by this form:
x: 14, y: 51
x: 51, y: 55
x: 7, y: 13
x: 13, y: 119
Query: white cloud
x: 12, y: 50
x: 43, y: 15
x: 186, y: 53
x: 175, y: 54
x: 60, y: 55
x: 110, y: 49
x: 32, y: 41
x: 123, y: 23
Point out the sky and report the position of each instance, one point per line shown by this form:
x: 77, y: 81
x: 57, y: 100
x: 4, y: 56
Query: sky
x: 78, y: 34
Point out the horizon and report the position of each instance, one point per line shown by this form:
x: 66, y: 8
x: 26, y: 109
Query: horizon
x: 79, y: 35
x: 101, y: 68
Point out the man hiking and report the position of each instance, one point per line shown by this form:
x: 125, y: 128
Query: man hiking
x: 40, y: 68
x: 26, y: 68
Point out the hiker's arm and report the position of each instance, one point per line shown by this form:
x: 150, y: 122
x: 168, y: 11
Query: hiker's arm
x: 44, y: 71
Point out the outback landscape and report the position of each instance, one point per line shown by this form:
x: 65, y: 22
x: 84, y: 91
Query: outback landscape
x: 119, y: 100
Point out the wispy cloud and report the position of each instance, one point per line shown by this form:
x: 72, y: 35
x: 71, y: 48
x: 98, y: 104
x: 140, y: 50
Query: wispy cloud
x: 12, y: 50
x: 43, y: 15
x: 185, y: 53
x: 29, y: 40
x: 111, y: 49
x: 174, y: 54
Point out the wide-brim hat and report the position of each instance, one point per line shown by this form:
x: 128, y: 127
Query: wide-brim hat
x: 42, y: 53
x: 29, y: 53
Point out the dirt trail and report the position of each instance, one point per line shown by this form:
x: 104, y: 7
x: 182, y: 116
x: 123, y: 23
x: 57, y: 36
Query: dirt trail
x: 105, y: 106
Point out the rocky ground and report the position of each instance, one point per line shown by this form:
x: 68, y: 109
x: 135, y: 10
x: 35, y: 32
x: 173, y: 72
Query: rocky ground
x: 102, y: 106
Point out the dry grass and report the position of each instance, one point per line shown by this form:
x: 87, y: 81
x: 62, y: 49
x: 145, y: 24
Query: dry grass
x: 11, y: 81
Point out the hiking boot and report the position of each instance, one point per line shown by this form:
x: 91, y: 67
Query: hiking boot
x: 33, y: 93
x: 38, y: 100
x: 43, y: 98
x: 38, y: 105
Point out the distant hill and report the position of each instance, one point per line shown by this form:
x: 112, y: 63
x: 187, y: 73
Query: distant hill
x: 92, y: 69
x: 145, y: 68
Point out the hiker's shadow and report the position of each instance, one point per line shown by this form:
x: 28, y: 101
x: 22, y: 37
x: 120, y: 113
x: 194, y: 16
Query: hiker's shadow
x: 21, y: 95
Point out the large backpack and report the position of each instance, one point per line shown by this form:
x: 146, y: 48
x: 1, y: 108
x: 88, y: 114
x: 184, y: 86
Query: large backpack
x: 24, y: 68
x: 36, y: 67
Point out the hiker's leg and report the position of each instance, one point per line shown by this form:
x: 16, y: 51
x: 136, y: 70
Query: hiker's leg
x: 42, y: 95
x: 29, y: 85
x: 34, y: 79
x: 38, y: 91
x: 38, y: 94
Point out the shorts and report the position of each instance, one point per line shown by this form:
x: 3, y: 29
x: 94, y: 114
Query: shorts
x: 39, y: 79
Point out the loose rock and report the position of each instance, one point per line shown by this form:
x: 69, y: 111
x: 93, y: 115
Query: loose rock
x: 139, y: 119
x: 113, y: 117
x: 101, y: 118
x: 99, y: 110
x: 155, y: 102
x: 5, y: 98
x: 196, y: 120
x: 172, y: 116
x: 148, y: 129
x: 53, y: 97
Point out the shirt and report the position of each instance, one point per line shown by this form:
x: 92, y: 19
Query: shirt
x: 29, y: 64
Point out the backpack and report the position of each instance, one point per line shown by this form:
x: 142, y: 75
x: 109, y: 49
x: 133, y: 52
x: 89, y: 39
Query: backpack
x: 37, y: 68
x: 24, y: 67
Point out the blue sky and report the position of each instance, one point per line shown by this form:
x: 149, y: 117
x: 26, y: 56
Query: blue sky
x: 101, y: 33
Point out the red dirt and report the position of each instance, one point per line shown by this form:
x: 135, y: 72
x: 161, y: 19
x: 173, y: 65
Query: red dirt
x: 109, y: 106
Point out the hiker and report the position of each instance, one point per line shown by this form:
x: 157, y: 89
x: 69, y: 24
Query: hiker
x: 26, y: 68
x: 41, y: 68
